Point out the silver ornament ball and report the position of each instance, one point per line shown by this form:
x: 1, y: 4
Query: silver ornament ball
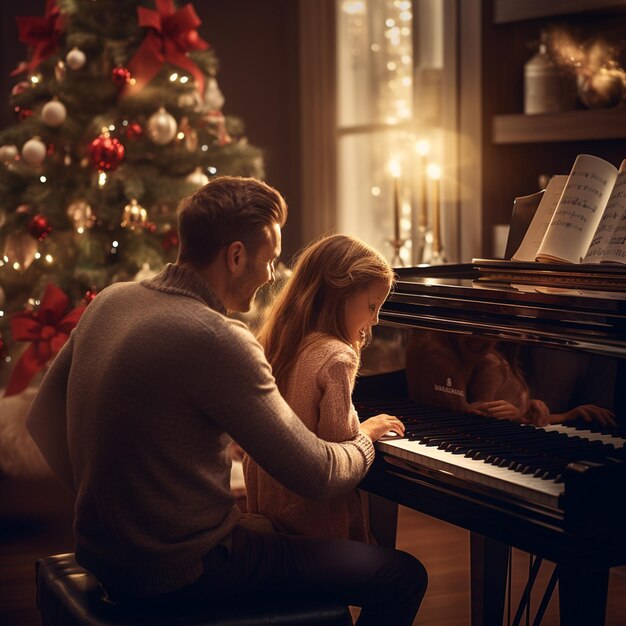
x: 161, y: 127
x: 75, y: 59
x: 34, y: 151
x: 53, y: 113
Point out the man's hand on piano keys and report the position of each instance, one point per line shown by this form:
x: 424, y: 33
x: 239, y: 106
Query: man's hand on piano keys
x: 380, y: 425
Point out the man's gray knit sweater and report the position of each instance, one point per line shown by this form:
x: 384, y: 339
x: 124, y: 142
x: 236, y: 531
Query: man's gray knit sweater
x: 136, y: 414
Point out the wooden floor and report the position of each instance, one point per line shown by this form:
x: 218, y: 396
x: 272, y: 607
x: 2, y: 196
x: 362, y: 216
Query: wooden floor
x: 35, y: 520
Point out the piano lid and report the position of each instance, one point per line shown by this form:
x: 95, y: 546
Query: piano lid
x: 454, y: 298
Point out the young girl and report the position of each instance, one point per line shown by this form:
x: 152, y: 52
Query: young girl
x: 313, y: 337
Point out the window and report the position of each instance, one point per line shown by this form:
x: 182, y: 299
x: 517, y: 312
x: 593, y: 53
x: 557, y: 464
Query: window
x: 390, y: 127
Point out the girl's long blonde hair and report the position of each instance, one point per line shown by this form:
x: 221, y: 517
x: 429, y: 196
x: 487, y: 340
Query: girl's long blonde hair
x: 326, y: 274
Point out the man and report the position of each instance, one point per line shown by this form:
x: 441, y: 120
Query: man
x: 138, y: 410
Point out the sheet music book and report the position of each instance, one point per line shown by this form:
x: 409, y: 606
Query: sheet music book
x: 581, y: 217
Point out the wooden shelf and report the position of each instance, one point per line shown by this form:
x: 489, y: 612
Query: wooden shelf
x: 517, y: 10
x: 564, y: 126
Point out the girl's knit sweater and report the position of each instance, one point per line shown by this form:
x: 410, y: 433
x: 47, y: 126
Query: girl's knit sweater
x: 319, y: 390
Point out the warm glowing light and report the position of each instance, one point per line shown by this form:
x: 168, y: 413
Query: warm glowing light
x: 49, y: 258
x: 180, y: 135
x: 102, y: 179
x: 353, y: 7
x: 184, y: 79
x: 173, y: 76
x: 375, y: 191
x: 422, y: 147
x: 42, y: 179
x: 115, y: 244
x: 16, y: 266
x: 394, y: 168
x: 434, y: 171
x: 37, y: 255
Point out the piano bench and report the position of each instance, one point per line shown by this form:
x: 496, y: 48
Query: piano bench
x: 67, y: 595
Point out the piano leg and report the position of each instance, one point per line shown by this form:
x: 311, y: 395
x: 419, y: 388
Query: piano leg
x: 383, y: 516
x: 489, y: 561
x: 582, y: 596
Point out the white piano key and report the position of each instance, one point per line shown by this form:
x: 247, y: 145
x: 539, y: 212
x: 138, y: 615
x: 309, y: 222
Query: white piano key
x: 570, y: 431
x: 525, y: 486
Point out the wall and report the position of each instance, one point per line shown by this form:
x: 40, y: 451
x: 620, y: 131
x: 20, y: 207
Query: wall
x: 256, y: 43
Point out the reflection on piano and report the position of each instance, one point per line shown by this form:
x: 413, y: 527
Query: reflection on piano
x: 555, y: 491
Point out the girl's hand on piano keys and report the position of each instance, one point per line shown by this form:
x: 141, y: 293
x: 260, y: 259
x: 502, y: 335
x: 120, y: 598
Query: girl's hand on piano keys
x: 379, y: 425
x: 499, y: 409
x: 588, y: 413
x: 538, y: 413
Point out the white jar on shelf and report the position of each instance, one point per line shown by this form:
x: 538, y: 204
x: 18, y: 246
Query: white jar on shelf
x: 547, y: 89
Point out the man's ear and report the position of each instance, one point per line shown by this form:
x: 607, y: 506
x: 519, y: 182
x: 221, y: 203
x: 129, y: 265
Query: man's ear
x: 236, y: 257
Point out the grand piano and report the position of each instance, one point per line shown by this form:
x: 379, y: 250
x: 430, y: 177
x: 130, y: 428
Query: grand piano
x: 556, y: 491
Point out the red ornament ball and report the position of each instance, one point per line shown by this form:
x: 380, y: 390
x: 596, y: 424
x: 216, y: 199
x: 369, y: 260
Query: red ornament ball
x: 170, y: 240
x: 39, y: 227
x: 120, y: 75
x: 20, y: 87
x: 90, y: 294
x: 106, y: 153
x: 23, y: 114
x: 134, y: 130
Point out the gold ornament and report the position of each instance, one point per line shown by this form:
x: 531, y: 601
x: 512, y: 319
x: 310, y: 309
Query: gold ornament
x: 134, y: 216
x: 213, y: 97
x: 20, y: 249
x: 8, y: 154
x: 81, y: 215
x: 189, y: 134
x: 161, y: 127
x: 60, y: 71
x: 198, y: 178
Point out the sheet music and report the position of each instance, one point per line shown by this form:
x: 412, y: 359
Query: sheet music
x: 611, y: 231
x: 527, y: 250
x: 579, y: 210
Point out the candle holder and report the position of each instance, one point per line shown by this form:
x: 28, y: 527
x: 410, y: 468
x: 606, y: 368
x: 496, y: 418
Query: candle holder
x: 396, y: 241
x: 422, y: 233
x: 397, y: 245
x: 437, y: 253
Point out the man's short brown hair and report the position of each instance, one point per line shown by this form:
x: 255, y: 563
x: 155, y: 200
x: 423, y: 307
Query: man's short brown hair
x: 227, y: 209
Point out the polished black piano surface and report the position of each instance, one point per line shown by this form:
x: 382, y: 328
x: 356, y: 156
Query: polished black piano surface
x: 452, y: 355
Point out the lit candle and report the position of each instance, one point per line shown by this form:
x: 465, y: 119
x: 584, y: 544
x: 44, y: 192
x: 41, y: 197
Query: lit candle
x: 422, y: 147
x: 395, y: 171
x: 434, y: 172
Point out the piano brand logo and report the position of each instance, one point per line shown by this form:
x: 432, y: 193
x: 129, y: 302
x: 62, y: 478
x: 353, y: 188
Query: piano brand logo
x: 449, y: 388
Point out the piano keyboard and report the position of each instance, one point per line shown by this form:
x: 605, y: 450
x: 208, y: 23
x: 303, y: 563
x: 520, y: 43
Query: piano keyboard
x: 523, y: 461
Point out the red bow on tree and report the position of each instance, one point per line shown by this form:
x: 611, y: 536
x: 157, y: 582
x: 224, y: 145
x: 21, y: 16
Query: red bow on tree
x: 171, y: 36
x: 42, y: 34
x: 48, y: 330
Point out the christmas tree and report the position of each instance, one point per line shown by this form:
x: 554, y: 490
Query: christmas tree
x: 118, y: 116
